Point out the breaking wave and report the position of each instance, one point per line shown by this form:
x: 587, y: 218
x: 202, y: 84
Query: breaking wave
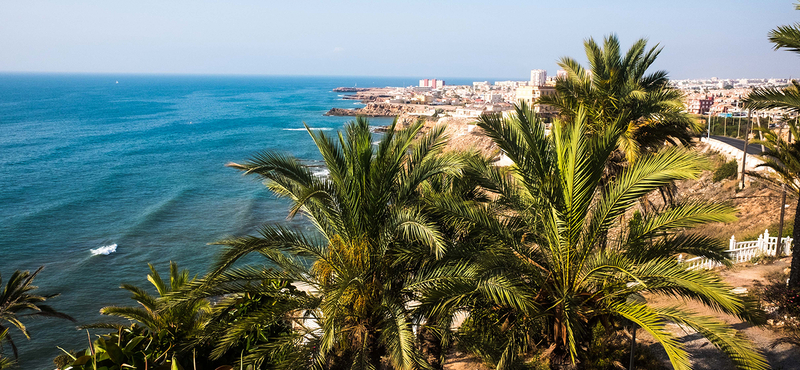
x: 312, y: 128
x: 104, y: 250
x: 320, y: 172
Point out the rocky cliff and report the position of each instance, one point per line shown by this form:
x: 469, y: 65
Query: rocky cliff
x: 373, y: 110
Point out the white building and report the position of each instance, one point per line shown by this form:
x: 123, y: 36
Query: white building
x: 491, y: 98
x: 481, y: 85
x: 432, y: 83
x: 538, y: 77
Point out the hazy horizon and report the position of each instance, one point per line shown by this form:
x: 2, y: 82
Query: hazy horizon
x: 466, y: 39
x: 412, y: 79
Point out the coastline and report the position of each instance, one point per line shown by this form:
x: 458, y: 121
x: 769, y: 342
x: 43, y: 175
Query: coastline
x: 462, y: 132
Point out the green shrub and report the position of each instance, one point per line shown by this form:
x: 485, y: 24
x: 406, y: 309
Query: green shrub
x: 788, y: 228
x: 611, y: 350
x: 727, y: 170
x: 124, y: 347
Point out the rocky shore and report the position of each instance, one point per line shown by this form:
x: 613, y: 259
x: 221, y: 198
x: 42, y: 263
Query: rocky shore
x: 366, y: 94
x: 351, y: 89
x: 373, y: 110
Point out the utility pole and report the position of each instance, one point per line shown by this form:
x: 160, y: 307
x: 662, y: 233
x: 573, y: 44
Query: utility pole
x: 725, y: 125
x: 778, y: 249
x: 633, y: 346
x: 744, y: 150
x: 739, y: 127
x: 783, y: 197
x: 739, y: 121
x: 760, y: 136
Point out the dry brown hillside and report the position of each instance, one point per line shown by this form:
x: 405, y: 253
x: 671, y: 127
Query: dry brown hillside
x: 758, y: 204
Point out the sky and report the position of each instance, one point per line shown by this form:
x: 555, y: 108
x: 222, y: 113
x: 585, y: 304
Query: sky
x: 465, y: 38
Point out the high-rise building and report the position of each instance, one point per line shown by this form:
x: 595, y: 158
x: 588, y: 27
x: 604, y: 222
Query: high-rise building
x: 538, y: 77
x: 561, y: 73
x: 432, y: 83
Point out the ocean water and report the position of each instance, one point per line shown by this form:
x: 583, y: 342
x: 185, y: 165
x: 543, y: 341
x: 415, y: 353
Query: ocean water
x: 101, y: 174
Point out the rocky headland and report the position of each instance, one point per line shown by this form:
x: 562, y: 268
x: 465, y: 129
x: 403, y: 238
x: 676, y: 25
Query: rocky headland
x: 373, y: 110
x: 351, y: 89
x: 366, y: 94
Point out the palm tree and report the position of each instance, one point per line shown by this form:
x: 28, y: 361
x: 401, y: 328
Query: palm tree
x: 616, y: 89
x: 373, y: 236
x: 171, y: 321
x: 17, y: 302
x: 544, y: 265
x: 5, y: 362
x: 781, y: 156
x: 787, y: 98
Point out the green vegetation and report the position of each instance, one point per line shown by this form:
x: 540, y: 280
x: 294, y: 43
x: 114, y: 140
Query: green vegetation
x: 170, y: 321
x: 618, y: 87
x: 727, y: 170
x: 125, y: 348
x: 5, y: 362
x: 549, y: 255
x: 374, y: 239
x: 19, y: 302
x: 784, y: 159
x: 540, y: 254
x: 729, y: 126
x: 408, y: 236
x: 782, y: 156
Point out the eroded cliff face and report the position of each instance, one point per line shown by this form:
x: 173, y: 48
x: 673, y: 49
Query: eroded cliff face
x: 374, y: 110
x: 463, y: 133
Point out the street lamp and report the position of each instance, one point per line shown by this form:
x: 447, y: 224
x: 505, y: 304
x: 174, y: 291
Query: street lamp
x: 709, y: 124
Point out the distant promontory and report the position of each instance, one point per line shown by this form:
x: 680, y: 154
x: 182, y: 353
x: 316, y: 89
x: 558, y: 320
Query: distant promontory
x: 372, y: 110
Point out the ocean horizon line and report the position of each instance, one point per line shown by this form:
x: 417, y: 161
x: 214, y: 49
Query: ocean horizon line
x: 235, y: 75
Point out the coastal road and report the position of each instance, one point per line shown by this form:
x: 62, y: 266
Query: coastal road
x: 752, y: 149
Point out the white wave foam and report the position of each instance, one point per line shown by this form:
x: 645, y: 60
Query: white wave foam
x: 321, y: 172
x: 313, y: 128
x: 104, y: 250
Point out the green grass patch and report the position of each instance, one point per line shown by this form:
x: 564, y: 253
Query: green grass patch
x: 727, y: 170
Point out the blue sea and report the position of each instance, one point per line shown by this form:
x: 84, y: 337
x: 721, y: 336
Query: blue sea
x: 102, y: 174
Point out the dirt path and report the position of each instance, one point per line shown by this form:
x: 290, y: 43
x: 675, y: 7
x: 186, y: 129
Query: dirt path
x: 463, y: 361
x: 707, y: 357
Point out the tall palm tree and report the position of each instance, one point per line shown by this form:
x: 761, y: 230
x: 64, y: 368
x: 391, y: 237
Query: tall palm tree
x: 171, y: 321
x: 373, y: 236
x: 617, y: 89
x: 782, y: 156
x: 18, y: 302
x: 544, y: 265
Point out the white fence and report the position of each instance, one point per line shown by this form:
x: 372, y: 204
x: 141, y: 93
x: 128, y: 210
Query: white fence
x: 738, y: 252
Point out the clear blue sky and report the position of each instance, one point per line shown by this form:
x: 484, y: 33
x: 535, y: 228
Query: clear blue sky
x: 701, y: 38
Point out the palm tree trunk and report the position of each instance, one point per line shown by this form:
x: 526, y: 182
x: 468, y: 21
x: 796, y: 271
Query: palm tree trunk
x: 794, y: 274
x: 376, y: 351
x: 431, y: 347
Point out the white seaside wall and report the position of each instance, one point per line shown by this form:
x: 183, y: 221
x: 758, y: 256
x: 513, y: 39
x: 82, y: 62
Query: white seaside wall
x: 730, y: 152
